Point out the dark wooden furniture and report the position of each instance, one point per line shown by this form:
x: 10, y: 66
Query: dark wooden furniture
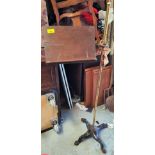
x: 90, y: 84
x: 44, y: 19
x: 49, y: 77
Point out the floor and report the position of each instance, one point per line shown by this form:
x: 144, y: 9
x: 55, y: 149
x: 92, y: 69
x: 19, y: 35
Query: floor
x: 63, y: 144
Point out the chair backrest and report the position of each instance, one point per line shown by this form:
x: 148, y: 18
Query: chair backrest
x: 74, y: 15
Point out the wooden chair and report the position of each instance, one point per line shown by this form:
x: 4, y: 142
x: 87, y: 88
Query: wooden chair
x: 74, y: 16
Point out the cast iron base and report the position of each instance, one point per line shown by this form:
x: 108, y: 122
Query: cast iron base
x: 93, y: 131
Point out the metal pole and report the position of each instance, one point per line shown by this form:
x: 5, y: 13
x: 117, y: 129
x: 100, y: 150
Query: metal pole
x: 64, y: 85
x: 67, y: 85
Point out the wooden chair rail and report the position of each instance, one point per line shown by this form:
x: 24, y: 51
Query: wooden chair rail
x: 68, y: 3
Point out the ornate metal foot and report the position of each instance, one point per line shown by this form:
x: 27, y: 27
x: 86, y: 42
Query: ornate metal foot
x: 93, y: 131
x: 82, y: 138
x: 102, y: 126
x: 101, y: 144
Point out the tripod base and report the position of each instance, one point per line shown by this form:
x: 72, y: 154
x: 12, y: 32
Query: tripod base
x: 92, y: 132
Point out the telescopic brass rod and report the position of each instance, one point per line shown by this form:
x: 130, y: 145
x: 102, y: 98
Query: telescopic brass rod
x: 101, y: 60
